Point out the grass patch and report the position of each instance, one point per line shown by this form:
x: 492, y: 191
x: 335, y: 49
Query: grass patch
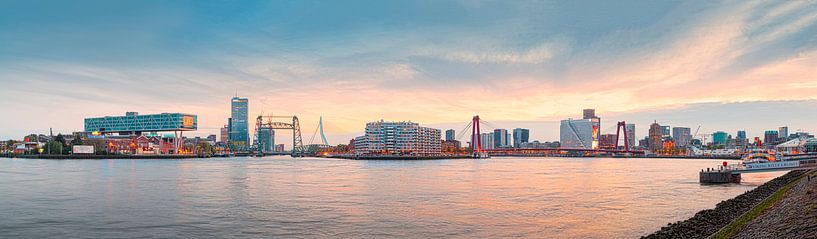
x: 734, y: 227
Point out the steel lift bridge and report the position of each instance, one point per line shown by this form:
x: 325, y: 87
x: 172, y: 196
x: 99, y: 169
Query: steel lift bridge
x: 273, y: 122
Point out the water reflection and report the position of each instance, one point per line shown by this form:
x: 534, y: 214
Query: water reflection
x: 284, y: 197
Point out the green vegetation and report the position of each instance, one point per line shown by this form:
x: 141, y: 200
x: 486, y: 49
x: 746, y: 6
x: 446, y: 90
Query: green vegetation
x: 735, y: 226
x: 53, y: 147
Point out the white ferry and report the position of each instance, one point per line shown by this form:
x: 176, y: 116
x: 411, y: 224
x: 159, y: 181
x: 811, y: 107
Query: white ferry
x: 762, y: 156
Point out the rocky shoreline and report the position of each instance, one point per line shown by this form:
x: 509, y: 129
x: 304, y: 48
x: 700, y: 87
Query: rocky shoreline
x: 795, y: 216
x: 709, y: 221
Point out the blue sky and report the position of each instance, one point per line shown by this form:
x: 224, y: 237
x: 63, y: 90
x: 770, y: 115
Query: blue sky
x: 517, y: 63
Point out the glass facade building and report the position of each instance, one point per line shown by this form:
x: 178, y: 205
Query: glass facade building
x: 266, y: 140
x: 239, y: 122
x: 501, y: 138
x: 520, y: 136
x: 133, y: 123
x: 719, y: 138
x: 449, y: 134
x: 579, y: 134
x: 631, y: 135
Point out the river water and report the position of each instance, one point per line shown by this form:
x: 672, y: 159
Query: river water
x: 281, y: 197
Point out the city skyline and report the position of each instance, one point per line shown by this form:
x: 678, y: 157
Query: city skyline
x: 724, y: 66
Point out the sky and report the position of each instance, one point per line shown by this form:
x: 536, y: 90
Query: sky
x: 720, y: 65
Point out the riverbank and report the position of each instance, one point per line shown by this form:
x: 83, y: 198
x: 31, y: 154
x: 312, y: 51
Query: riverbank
x: 81, y: 156
x: 397, y: 157
x: 793, y: 216
x: 707, y: 222
x: 713, y: 157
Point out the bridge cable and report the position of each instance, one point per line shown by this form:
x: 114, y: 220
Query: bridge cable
x: 464, y: 130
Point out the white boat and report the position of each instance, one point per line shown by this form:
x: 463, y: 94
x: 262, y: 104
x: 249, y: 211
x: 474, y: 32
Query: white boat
x: 762, y: 156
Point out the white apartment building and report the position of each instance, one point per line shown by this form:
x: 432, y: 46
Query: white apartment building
x: 398, y: 138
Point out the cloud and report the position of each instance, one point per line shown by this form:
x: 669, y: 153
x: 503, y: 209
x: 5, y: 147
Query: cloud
x: 508, y: 62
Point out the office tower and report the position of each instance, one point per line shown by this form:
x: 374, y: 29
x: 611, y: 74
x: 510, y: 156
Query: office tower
x: 225, y: 132
x: 501, y: 138
x: 449, y: 135
x: 770, y: 137
x: 741, y: 134
x: 681, y: 135
x: 655, y: 134
x: 783, y: 133
x: 631, y: 134
x: 520, y: 136
x: 719, y: 138
x: 239, y: 131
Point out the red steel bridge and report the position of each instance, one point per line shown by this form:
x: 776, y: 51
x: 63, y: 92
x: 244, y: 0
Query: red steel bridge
x: 477, y: 149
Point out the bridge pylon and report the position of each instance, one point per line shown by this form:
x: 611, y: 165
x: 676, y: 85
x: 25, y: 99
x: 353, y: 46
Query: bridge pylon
x: 622, y: 126
x: 476, y: 140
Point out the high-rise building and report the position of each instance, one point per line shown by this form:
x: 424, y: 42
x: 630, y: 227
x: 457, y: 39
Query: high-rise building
x: 741, y: 134
x: 501, y: 138
x: 581, y: 134
x: 520, y: 136
x: 398, y: 138
x: 577, y: 134
x: 665, y: 131
x: 655, y: 141
x: 771, y: 137
x: 631, y: 134
x: 783, y: 133
x: 266, y: 140
x: 719, y: 138
x: 449, y: 135
x: 681, y: 135
x: 589, y: 113
x: 239, y: 130
x: 487, y: 140
x: 225, y: 132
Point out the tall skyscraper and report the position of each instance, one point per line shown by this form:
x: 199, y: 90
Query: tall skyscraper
x: 631, y: 134
x: 487, y: 140
x: 449, y: 134
x: 655, y: 142
x: 239, y: 130
x: 783, y: 133
x: 681, y: 135
x: 501, y: 138
x: 520, y: 136
x: 266, y: 138
x: 741, y: 134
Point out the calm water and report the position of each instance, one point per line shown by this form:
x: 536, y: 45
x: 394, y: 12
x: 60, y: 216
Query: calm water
x: 307, y: 198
